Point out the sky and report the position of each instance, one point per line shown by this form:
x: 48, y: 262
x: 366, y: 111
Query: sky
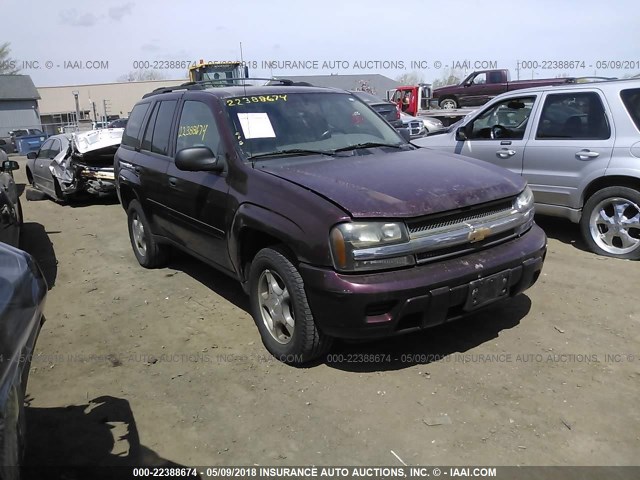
x: 85, y: 41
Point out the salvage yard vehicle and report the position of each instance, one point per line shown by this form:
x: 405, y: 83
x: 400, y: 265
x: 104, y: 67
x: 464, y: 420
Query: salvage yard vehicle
x: 70, y: 164
x: 578, y: 146
x: 10, y: 207
x: 332, y: 222
x: 23, y: 291
x: 481, y: 86
x: 387, y: 110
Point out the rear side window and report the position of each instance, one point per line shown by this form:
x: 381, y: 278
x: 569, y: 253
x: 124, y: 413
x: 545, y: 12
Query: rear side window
x: 132, y: 132
x: 567, y: 116
x: 197, y: 127
x: 631, y: 100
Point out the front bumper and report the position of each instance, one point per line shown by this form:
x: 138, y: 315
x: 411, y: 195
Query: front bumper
x: 381, y: 304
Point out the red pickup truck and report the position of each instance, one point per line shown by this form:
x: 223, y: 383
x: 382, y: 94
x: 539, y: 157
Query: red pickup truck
x: 481, y: 86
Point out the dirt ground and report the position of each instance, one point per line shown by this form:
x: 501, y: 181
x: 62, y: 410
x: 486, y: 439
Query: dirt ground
x: 166, y: 367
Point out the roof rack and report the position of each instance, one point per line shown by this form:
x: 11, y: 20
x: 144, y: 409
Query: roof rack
x: 224, y: 82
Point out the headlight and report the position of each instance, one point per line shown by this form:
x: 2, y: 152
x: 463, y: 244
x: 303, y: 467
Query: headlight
x: 524, y: 201
x: 347, y: 238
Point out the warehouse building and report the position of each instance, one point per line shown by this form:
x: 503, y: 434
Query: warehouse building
x: 96, y: 102
x: 18, y: 104
x: 108, y: 101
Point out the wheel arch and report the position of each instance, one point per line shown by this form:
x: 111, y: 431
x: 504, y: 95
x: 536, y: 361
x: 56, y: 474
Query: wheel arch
x: 609, y: 181
x: 255, y: 228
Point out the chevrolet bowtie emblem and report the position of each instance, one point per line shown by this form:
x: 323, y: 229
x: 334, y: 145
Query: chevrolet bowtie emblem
x: 478, y: 234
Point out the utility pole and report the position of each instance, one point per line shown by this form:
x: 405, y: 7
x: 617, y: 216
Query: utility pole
x: 106, y: 109
x: 93, y: 106
x: 75, y: 95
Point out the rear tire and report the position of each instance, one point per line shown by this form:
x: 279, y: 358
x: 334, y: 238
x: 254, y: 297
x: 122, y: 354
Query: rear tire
x: 448, y: 103
x: 281, y: 311
x: 610, y: 223
x: 148, y: 252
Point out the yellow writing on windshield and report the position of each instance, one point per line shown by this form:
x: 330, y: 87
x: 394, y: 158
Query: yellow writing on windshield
x: 234, y: 102
x: 199, y: 130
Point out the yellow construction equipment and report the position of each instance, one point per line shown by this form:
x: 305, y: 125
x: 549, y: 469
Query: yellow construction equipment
x: 217, y: 71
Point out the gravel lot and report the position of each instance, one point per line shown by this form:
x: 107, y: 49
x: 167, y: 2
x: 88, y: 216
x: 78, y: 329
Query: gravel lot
x: 165, y: 367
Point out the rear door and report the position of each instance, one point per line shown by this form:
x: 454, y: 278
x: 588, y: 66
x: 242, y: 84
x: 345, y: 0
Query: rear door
x: 154, y: 159
x: 498, y: 134
x: 148, y: 173
x: 198, y: 200
x: 572, y: 141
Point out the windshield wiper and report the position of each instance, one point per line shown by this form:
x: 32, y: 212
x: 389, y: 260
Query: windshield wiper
x: 293, y: 151
x: 369, y: 145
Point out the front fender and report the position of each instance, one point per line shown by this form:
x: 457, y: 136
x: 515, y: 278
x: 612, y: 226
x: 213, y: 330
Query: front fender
x: 250, y: 215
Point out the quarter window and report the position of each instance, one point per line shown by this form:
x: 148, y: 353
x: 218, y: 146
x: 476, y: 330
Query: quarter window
x: 148, y: 134
x: 134, y: 125
x: 568, y: 116
x: 197, y: 127
x: 160, y: 143
x: 631, y: 100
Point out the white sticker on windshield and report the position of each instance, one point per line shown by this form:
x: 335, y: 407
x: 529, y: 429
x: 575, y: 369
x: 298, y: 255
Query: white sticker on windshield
x: 256, y: 125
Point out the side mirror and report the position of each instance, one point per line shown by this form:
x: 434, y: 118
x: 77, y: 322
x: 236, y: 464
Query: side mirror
x: 405, y: 133
x: 10, y: 165
x: 461, y: 134
x: 197, y: 159
x: 32, y: 155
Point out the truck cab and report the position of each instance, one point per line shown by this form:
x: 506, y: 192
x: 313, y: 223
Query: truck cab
x: 217, y: 71
x: 411, y: 99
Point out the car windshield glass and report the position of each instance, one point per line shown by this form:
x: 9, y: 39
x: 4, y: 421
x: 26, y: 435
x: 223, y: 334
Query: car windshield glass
x: 321, y: 122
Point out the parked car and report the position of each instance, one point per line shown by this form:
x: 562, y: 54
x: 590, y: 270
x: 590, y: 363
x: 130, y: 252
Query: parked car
x: 118, y: 123
x: 579, y: 148
x: 71, y: 164
x: 10, y: 206
x: 388, y: 110
x: 333, y: 223
x: 23, y: 291
x: 481, y: 86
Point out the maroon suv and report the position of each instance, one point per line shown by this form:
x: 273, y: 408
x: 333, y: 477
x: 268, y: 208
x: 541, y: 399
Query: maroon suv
x: 333, y: 223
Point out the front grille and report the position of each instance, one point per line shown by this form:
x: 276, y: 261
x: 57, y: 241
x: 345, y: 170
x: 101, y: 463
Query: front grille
x: 419, y: 226
x: 415, y: 127
x: 425, y: 257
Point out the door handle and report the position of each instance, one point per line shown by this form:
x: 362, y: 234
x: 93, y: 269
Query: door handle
x: 586, y: 153
x: 173, y: 182
x: 137, y: 169
x: 505, y: 153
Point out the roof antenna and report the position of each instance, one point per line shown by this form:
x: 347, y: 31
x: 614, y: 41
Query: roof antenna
x: 242, y: 69
x: 244, y: 86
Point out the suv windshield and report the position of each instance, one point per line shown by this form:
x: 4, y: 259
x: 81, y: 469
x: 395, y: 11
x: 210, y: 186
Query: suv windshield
x: 306, y: 123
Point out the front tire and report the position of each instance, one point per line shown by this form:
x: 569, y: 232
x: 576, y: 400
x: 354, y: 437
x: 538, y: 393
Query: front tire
x: 281, y: 311
x: 12, y: 435
x: 610, y: 222
x: 148, y: 252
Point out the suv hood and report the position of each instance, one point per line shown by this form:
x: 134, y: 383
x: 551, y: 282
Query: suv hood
x: 399, y: 184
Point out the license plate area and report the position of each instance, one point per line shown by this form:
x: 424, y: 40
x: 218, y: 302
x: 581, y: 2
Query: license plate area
x: 488, y: 289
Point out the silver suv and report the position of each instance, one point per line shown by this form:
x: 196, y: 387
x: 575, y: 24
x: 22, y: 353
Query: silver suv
x: 577, y: 145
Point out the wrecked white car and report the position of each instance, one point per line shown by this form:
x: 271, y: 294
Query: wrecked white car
x: 70, y: 164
